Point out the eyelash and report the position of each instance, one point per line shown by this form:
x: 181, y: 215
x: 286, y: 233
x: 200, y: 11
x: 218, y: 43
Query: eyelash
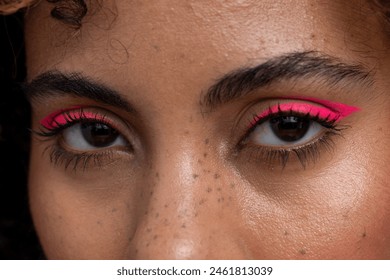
x: 305, y: 153
x: 60, y: 156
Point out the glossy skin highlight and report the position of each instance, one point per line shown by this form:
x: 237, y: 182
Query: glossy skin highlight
x: 188, y: 188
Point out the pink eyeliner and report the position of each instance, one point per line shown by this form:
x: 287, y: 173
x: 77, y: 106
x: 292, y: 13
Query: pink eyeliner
x: 329, y: 110
x: 342, y: 109
x: 59, y: 118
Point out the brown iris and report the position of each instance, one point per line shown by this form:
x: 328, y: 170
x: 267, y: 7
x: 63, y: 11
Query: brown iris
x: 98, y: 134
x: 290, y: 128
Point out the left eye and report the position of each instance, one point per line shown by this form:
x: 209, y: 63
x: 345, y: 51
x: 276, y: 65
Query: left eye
x: 286, y: 131
x: 92, y: 136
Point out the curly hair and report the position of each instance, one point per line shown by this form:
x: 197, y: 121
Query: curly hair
x: 69, y: 11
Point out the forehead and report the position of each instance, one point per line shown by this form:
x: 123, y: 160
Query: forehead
x: 210, y: 36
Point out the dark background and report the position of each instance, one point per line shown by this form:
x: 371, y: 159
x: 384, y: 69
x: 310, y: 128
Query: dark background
x: 17, y: 236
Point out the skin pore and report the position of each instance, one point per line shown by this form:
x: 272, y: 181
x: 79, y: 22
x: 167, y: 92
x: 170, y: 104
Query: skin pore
x: 190, y: 176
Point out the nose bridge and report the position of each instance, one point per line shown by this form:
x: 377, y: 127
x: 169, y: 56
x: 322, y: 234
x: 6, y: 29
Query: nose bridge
x: 185, y: 217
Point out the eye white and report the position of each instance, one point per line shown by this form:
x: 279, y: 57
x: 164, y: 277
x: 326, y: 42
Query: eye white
x: 263, y: 135
x: 75, y: 139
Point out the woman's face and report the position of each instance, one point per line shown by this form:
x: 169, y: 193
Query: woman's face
x: 214, y: 130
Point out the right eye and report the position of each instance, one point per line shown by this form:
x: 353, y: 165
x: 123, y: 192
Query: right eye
x: 88, y: 136
x: 286, y: 131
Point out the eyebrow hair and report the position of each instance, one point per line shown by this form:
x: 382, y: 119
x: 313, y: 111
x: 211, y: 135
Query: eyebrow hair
x: 55, y: 83
x: 296, y: 65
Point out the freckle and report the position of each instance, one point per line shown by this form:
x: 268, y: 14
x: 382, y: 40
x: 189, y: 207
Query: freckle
x: 285, y: 232
x: 196, y: 214
x: 151, y: 193
x: 216, y: 176
x: 232, y: 185
x: 59, y: 217
x: 147, y: 244
x: 186, y: 132
x: 155, y: 237
x: 146, y: 213
x: 206, y: 141
x: 312, y: 36
x: 219, y: 189
x: 136, y: 251
x: 209, y: 190
x: 183, y: 226
x: 166, y: 206
x: 202, y: 201
x: 114, y: 210
x: 205, y: 155
x: 157, y: 175
x: 302, y: 251
x: 157, y: 215
x: 195, y: 176
x: 148, y: 230
x: 380, y: 129
x: 99, y: 222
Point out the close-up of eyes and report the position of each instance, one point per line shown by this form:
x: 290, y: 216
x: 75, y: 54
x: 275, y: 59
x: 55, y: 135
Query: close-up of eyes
x: 290, y: 127
x: 194, y: 130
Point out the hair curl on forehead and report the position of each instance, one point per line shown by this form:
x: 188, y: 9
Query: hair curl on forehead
x: 71, y: 12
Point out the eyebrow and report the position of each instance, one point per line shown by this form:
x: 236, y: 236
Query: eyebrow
x: 292, y: 66
x: 234, y: 85
x: 55, y: 83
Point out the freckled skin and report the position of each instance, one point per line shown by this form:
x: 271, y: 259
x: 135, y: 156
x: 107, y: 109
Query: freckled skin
x: 188, y: 192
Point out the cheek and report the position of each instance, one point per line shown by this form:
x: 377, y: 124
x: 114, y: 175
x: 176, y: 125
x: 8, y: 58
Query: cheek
x: 334, y: 217
x: 91, y: 218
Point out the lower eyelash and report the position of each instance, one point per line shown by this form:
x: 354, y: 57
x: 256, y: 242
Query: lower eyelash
x: 308, y: 153
x: 60, y: 156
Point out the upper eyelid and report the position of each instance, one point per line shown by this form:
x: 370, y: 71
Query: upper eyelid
x: 301, y: 109
x: 85, y: 113
x: 313, y: 107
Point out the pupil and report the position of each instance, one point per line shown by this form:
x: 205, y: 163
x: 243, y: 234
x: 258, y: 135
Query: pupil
x: 289, y: 128
x: 98, y: 134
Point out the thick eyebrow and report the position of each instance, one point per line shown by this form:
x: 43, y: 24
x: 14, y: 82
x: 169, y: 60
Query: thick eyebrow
x: 292, y: 66
x: 55, y: 83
